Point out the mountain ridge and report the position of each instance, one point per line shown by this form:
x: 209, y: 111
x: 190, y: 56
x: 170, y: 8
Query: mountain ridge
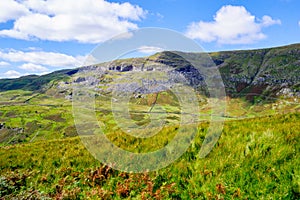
x: 249, y: 73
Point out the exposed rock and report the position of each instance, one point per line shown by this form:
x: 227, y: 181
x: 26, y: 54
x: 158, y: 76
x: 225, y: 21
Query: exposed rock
x: 2, y: 126
x: 79, y: 80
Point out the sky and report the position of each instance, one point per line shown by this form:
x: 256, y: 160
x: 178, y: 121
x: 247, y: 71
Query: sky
x: 41, y: 36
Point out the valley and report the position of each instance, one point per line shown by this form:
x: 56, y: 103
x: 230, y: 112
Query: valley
x: 256, y: 156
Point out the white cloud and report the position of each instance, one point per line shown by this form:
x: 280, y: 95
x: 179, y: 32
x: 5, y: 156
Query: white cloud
x: 299, y: 23
x: 231, y: 25
x: 268, y: 21
x: 11, y: 10
x: 37, y: 62
x: 149, y: 49
x: 4, y: 64
x: 12, y: 74
x: 87, y: 21
x: 33, y: 67
x: 160, y: 16
x: 90, y: 60
x: 52, y: 59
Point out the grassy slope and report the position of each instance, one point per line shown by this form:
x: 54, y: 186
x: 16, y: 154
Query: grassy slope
x: 275, y: 66
x: 254, y: 158
x: 257, y: 155
x: 44, y: 117
x: 33, y: 82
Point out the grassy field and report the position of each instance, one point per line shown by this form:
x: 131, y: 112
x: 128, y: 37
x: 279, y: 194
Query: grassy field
x: 255, y: 158
x: 49, y: 116
x: 41, y: 156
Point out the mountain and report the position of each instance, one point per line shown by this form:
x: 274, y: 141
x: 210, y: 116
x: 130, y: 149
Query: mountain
x: 255, y: 157
x: 247, y: 73
x: 273, y: 71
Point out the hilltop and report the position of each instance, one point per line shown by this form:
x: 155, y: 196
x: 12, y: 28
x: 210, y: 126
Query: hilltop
x: 249, y: 73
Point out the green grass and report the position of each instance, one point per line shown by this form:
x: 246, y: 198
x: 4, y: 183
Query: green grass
x: 254, y: 159
x: 42, y: 118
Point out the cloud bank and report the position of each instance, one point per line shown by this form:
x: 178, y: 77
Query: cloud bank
x: 231, y: 25
x: 86, y: 21
x: 36, y: 62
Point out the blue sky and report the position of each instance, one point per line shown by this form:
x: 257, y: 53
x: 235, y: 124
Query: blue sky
x: 40, y: 36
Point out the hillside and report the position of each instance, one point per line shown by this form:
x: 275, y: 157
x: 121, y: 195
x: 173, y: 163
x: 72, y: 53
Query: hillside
x: 268, y: 72
x: 273, y: 71
x: 258, y: 83
x: 256, y: 156
x: 254, y: 159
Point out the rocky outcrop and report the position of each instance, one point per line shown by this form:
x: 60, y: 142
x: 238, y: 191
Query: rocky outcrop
x: 250, y: 73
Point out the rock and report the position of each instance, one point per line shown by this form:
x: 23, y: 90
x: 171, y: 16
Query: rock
x: 2, y: 126
x: 79, y: 80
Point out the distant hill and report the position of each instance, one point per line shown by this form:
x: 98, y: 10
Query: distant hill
x: 34, y: 82
x: 273, y: 71
x: 249, y: 73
